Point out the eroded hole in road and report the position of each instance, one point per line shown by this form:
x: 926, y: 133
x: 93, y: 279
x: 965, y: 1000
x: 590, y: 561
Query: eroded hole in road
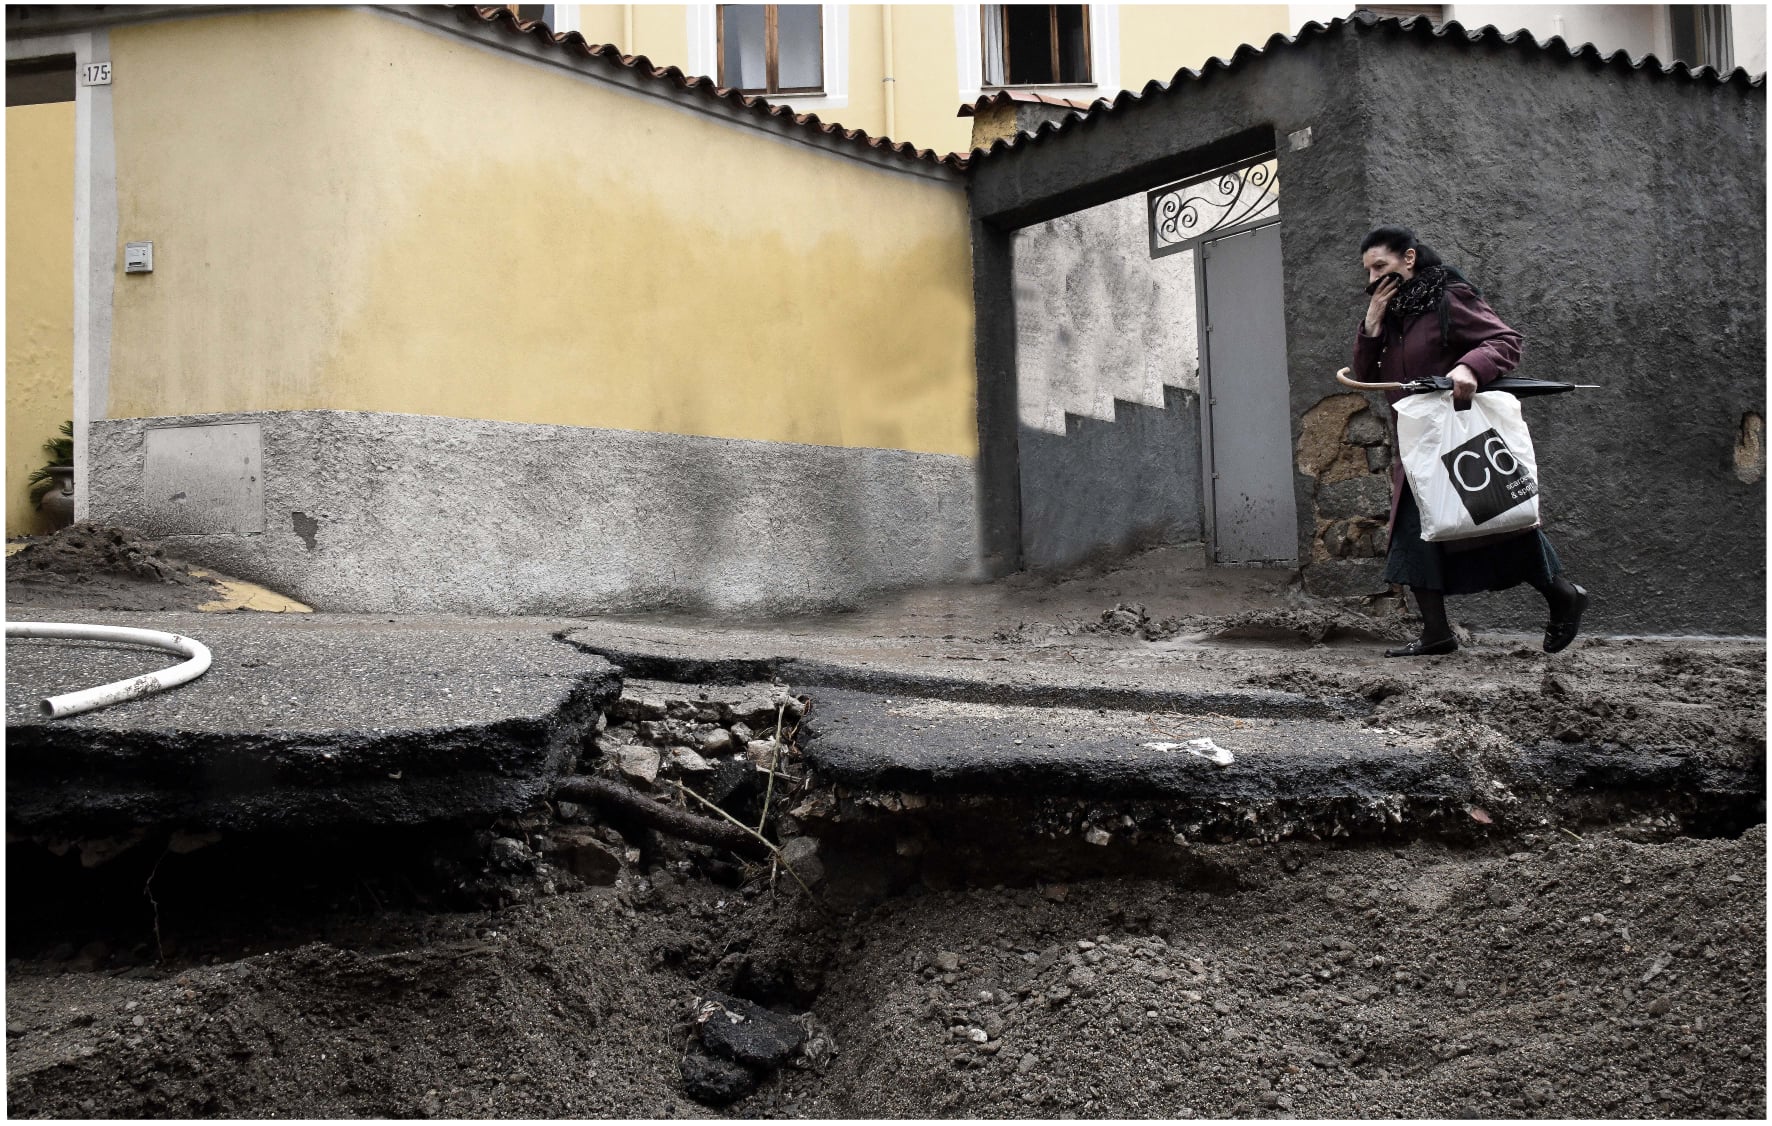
x: 976, y: 954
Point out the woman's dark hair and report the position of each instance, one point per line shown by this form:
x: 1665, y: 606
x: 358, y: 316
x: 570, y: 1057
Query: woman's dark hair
x: 1400, y: 241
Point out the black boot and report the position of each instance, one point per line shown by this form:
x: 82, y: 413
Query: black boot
x: 1567, y: 603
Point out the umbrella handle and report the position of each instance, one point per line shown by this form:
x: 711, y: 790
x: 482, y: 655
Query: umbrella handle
x: 1343, y: 377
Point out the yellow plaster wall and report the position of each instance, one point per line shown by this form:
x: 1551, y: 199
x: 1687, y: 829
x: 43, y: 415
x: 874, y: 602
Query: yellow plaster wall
x: 39, y: 295
x: 381, y: 218
x: 928, y: 78
x: 1157, y: 40
x: 661, y: 33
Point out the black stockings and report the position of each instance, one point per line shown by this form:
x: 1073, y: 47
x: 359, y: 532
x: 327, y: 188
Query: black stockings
x: 1434, y: 626
x: 1560, y: 593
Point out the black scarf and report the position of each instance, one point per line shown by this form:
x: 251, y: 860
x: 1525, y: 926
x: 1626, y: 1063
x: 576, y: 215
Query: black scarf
x: 1420, y: 293
x: 1427, y: 290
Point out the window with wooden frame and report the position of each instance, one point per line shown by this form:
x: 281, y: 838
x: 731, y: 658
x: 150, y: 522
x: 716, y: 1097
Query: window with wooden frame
x: 1035, y: 44
x: 35, y: 82
x: 771, y: 48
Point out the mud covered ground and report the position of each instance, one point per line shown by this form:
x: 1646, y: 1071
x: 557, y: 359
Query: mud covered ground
x: 1618, y: 973
x: 1545, y: 977
x: 99, y: 567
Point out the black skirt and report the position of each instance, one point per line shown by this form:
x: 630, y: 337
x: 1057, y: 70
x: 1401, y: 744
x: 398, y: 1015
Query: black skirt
x: 1413, y: 561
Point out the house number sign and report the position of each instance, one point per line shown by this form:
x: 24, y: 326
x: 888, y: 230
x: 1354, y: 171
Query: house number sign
x: 96, y: 74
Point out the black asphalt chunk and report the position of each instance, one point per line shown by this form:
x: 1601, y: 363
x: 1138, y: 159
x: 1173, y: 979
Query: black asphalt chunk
x: 918, y: 745
x: 329, y: 720
x: 747, y: 1033
x: 712, y: 1081
x: 955, y: 747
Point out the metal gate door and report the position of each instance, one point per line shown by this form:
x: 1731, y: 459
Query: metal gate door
x: 1248, y: 432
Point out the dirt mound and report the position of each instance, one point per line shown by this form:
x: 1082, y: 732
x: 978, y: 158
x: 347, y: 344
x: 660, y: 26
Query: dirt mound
x: 1312, y: 625
x: 1551, y: 977
x: 94, y: 566
x: 1323, y: 984
x: 1687, y: 697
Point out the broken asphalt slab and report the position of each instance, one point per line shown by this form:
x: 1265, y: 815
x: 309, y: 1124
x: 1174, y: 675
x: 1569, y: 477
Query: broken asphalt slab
x: 922, y: 745
x: 930, y: 746
x: 310, y: 721
x: 344, y: 719
x: 657, y: 653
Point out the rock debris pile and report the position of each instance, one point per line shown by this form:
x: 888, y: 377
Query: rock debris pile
x: 718, y: 745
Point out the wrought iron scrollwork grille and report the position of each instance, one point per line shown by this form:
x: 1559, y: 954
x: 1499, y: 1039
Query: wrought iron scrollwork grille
x: 1183, y: 213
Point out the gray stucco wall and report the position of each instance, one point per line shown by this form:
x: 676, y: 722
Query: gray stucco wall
x: 1108, y: 486
x: 1215, y: 121
x: 1615, y: 216
x: 1617, y: 219
x: 1107, y: 381
x: 368, y: 512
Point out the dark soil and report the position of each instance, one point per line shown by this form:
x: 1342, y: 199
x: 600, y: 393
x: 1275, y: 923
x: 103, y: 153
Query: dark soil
x: 1548, y: 977
x: 1321, y: 623
x: 1618, y: 974
x: 93, y: 566
x: 1634, y: 694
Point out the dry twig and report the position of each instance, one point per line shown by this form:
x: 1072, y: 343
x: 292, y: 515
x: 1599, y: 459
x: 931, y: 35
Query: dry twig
x: 775, y: 850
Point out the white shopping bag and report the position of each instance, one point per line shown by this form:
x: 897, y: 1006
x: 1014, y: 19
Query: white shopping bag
x: 1473, y: 472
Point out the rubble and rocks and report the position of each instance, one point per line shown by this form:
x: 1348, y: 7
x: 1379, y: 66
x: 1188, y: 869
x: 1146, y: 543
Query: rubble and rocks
x: 660, y: 731
x: 1541, y: 974
x: 737, y: 1043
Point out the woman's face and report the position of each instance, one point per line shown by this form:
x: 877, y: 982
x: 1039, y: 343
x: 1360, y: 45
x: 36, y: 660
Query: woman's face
x: 1382, y: 260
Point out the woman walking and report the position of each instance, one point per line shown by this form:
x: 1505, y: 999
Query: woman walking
x: 1426, y: 320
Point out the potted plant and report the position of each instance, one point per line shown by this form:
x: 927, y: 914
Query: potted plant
x: 52, y: 484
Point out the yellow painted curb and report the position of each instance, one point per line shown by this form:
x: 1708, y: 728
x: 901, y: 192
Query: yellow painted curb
x: 238, y: 595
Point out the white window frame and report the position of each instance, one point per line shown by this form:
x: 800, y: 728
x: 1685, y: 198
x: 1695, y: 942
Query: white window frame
x: 566, y: 18
x: 1104, y: 56
x: 704, y: 56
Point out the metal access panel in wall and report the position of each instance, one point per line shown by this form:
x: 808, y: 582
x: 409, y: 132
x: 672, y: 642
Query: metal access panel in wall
x: 203, y: 480
x: 1248, y: 431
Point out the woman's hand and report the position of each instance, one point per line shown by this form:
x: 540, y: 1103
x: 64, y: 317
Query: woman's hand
x: 1381, y: 300
x: 1464, y: 383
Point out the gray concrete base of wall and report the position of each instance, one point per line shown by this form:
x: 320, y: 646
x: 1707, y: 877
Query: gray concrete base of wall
x: 1109, y: 487
x: 367, y: 512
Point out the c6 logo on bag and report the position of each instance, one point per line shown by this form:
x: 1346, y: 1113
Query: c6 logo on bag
x: 1489, y: 478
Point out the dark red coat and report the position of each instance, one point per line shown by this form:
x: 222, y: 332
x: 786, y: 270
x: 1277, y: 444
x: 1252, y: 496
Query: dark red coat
x: 1475, y: 337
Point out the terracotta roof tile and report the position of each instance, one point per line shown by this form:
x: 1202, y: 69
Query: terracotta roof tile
x: 999, y: 97
x: 1419, y: 26
x: 691, y: 86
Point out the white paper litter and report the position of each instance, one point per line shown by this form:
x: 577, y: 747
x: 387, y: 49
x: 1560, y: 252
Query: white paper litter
x: 1204, y: 748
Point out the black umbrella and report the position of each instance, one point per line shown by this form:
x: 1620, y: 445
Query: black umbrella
x: 1520, y: 386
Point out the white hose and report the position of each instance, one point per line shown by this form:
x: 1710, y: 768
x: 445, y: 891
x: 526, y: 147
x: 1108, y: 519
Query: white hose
x: 73, y: 703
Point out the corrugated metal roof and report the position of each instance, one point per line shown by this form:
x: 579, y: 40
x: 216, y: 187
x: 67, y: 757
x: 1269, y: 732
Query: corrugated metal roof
x: 1419, y: 26
x: 572, y: 43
